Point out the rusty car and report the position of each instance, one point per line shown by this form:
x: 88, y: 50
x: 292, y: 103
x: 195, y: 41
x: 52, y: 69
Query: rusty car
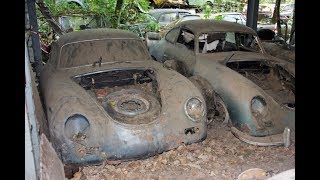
x: 257, y: 89
x: 106, y: 99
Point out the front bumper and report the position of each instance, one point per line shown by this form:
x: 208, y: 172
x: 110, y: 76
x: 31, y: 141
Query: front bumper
x: 272, y: 140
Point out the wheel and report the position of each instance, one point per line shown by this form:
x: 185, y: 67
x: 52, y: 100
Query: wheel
x: 208, y: 94
x: 132, y: 106
x: 221, y: 113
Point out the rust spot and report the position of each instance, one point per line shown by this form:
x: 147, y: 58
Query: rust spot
x: 245, y: 128
x: 81, y: 151
x: 100, y: 93
x: 147, y: 137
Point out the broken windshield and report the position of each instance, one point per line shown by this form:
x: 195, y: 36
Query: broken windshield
x: 212, y: 42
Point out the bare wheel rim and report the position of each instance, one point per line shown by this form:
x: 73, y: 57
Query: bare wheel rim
x: 221, y: 114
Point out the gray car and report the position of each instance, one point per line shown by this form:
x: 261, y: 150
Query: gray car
x: 257, y: 89
x: 106, y: 99
x: 165, y: 16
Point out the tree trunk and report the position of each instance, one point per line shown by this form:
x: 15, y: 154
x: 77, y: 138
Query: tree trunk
x: 47, y: 14
x: 293, y: 24
x: 278, y: 17
x: 118, y: 13
x: 276, y: 12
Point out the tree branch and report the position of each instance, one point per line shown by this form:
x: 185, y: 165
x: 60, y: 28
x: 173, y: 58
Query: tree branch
x: 46, y: 13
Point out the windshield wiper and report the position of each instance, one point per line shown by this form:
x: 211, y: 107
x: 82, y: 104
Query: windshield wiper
x: 228, y: 58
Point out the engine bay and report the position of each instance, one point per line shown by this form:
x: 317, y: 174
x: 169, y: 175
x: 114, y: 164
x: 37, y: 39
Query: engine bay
x: 274, y: 80
x: 127, y: 95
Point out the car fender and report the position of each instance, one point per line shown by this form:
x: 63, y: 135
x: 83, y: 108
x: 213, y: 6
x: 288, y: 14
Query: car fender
x: 237, y: 92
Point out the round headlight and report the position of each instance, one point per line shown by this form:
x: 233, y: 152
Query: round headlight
x: 195, y: 109
x: 76, y: 127
x: 258, y: 106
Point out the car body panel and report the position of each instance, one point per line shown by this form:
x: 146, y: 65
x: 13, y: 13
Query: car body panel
x: 106, y: 137
x: 165, y: 16
x: 236, y: 91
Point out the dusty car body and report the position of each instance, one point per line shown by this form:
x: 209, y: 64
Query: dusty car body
x: 257, y: 89
x: 106, y: 99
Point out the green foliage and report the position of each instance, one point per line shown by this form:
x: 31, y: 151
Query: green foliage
x: 219, y: 17
x: 206, y: 9
x: 223, y: 6
x: 98, y: 14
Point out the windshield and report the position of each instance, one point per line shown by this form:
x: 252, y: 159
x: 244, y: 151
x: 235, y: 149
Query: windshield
x: 107, y: 50
x: 212, y: 42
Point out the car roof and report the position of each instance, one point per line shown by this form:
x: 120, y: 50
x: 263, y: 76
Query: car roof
x: 226, y: 13
x: 167, y: 10
x: 205, y: 25
x: 90, y: 34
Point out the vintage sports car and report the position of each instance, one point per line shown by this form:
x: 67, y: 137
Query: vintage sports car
x: 257, y: 89
x: 106, y: 99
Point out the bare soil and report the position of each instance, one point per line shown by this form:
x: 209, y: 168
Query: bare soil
x: 220, y: 156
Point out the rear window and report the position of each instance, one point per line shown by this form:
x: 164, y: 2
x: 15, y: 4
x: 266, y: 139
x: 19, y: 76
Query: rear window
x: 108, y: 50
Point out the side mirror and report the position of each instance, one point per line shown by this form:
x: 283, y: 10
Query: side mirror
x: 153, y: 36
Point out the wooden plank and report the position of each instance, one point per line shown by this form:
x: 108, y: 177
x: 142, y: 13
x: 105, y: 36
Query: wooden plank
x: 51, y: 167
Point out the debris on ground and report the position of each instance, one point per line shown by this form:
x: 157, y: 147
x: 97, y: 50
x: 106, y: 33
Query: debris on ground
x: 220, y: 156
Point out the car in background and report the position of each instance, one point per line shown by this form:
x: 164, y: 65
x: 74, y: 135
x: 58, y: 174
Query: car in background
x: 199, y: 3
x: 187, y: 17
x: 166, y: 3
x: 230, y: 16
x: 264, y: 11
x: 286, y: 10
x: 146, y: 23
x: 106, y: 99
x: 257, y: 89
x: 165, y: 16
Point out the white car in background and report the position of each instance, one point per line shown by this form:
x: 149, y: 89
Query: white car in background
x: 229, y: 16
x: 199, y: 2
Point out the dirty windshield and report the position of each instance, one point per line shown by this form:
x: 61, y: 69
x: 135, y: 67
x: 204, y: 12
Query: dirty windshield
x: 227, y: 41
x: 103, y: 50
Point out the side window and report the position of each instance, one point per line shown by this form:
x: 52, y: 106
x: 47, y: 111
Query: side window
x: 181, y: 14
x: 166, y: 18
x: 215, y: 42
x: 172, y: 35
x: 186, y: 38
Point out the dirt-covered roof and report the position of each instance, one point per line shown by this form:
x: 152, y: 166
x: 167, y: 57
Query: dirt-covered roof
x: 90, y: 34
x: 204, y: 25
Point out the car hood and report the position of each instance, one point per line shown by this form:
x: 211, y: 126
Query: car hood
x: 248, y: 56
x: 237, y: 56
x: 172, y: 87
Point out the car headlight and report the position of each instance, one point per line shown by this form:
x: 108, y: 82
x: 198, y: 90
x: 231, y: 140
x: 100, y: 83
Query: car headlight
x: 76, y: 127
x: 195, y: 109
x: 258, y: 106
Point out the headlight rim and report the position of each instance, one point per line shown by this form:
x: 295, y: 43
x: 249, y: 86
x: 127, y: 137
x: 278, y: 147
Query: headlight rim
x: 69, y: 119
x: 203, y: 110
x: 256, y: 112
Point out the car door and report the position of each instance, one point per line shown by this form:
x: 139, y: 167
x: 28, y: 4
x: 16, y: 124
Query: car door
x: 180, y: 50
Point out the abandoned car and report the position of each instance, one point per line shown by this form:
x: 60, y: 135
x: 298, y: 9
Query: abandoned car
x: 106, y: 99
x: 258, y: 90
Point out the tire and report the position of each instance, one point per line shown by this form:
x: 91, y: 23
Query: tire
x: 208, y: 94
x: 222, y: 114
x: 132, y: 106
